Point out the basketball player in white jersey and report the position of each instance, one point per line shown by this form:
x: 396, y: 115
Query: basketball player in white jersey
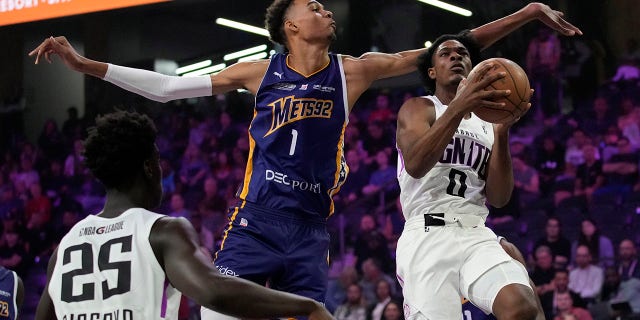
x: 451, y: 163
x: 125, y: 262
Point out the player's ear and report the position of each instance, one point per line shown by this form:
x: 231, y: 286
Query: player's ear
x: 432, y: 73
x: 148, y: 170
x: 290, y: 25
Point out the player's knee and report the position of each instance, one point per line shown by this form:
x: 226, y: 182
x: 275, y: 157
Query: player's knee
x: 516, y: 302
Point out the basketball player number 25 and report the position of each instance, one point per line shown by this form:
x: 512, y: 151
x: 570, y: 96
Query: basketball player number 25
x: 123, y: 283
x: 294, y: 140
x: 457, y: 183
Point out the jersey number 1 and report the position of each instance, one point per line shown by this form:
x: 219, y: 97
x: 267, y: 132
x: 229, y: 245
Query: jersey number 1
x: 294, y: 140
x: 86, y: 267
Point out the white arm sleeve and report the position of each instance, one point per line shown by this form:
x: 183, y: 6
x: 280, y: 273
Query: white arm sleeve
x: 157, y: 86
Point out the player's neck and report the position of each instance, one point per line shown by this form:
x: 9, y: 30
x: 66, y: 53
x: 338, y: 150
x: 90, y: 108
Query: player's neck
x: 444, y: 94
x: 118, y: 202
x: 308, y: 58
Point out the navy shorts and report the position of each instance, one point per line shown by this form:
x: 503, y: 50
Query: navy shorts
x: 285, y: 251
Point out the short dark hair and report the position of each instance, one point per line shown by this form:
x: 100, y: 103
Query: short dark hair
x: 274, y: 21
x: 425, y: 60
x: 118, y: 145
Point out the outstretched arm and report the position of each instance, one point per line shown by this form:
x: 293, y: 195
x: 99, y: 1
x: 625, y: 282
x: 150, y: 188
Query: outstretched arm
x: 489, y: 33
x: 153, y: 85
x: 175, y: 244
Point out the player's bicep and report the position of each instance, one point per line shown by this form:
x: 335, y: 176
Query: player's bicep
x: 413, y: 123
x: 242, y: 75
x: 379, y: 65
x: 188, y: 269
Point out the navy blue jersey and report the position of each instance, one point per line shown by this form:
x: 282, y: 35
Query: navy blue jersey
x: 471, y: 312
x: 296, y: 156
x: 8, y: 292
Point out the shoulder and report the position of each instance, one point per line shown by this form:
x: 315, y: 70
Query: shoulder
x: 416, y: 106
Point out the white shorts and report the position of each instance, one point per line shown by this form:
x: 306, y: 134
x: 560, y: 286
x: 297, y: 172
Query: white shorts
x: 439, y: 266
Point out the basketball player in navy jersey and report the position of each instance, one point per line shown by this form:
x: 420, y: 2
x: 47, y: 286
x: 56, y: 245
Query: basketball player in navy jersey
x: 296, y: 163
x: 116, y: 264
x: 451, y: 163
x: 11, y: 294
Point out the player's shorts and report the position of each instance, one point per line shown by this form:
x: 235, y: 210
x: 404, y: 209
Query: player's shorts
x: 439, y: 264
x: 285, y: 251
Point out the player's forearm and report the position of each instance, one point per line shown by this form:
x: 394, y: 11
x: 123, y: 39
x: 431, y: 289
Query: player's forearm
x: 427, y: 150
x: 499, y: 184
x: 240, y: 298
x: 91, y: 67
x: 489, y: 33
x: 157, y: 86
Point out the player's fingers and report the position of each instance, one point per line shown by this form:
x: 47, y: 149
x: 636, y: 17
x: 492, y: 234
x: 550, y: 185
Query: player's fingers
x: 480, y: 73
x: 490, y: 78
x: 46, y: 55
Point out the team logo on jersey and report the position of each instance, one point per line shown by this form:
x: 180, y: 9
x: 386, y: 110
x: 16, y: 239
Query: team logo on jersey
x: 244, y: 222
x: 467, y: 152
x: 284, y: 86
x: 323, y: 88
x: 289, y: 109
x: 304, y: 86
x: 91, y: 230
x: 278, y: 74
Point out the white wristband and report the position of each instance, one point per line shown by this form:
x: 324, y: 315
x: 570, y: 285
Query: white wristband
x: 157, y: 86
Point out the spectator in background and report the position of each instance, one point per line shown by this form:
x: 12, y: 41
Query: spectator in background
x: 621, y: 171
x: 589, y: 175
x: 598, y: 120
x: 629, y: 122
x: 549, y: 163
x: 383, y: 179
x: 337, y: 288
x: 560, y: 285
x: 382, y: 111
x: 543, y: 58
x: 376, y: 139
x: 543, y: 272
x: 178, y: 208
x: 51, y: 141
x: 566, y: 310
x: 372, y: 274
x: 371, y: 243
x: 615, y: 291
x: 193, y: 169
x: 10, y: 206
x: 27, y: 175
x: 358, y: 178
x: 586, y: 278
x: 526, y: 180
x: 38, y: 207
x: 559, y: 245
x: 74, y: 164
x: 393, y: 311
x: 13, y: 253
x: 72, y: 127
x: 168, y: 177
x: 354, y: 307
x: 627, y: 71
x: 628, y: 260
x: 383, y: 297
x: 600, y: 246
x: 573, y: 152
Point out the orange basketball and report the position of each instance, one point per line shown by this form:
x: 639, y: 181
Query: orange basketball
x: 517, y: 81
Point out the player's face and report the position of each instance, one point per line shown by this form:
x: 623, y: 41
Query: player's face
x: 310, y: 20
x: 451, y: 63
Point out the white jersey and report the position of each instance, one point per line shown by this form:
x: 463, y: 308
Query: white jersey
x: 106, y: 269
x: 456, y: 183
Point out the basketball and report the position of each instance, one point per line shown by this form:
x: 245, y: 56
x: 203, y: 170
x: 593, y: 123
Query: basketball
x: 517, y: 81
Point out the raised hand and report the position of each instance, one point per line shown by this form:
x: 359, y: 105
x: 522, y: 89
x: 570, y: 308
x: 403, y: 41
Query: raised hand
x: 471, y: 91
x: 553, y: 18
x: 61, y: 47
